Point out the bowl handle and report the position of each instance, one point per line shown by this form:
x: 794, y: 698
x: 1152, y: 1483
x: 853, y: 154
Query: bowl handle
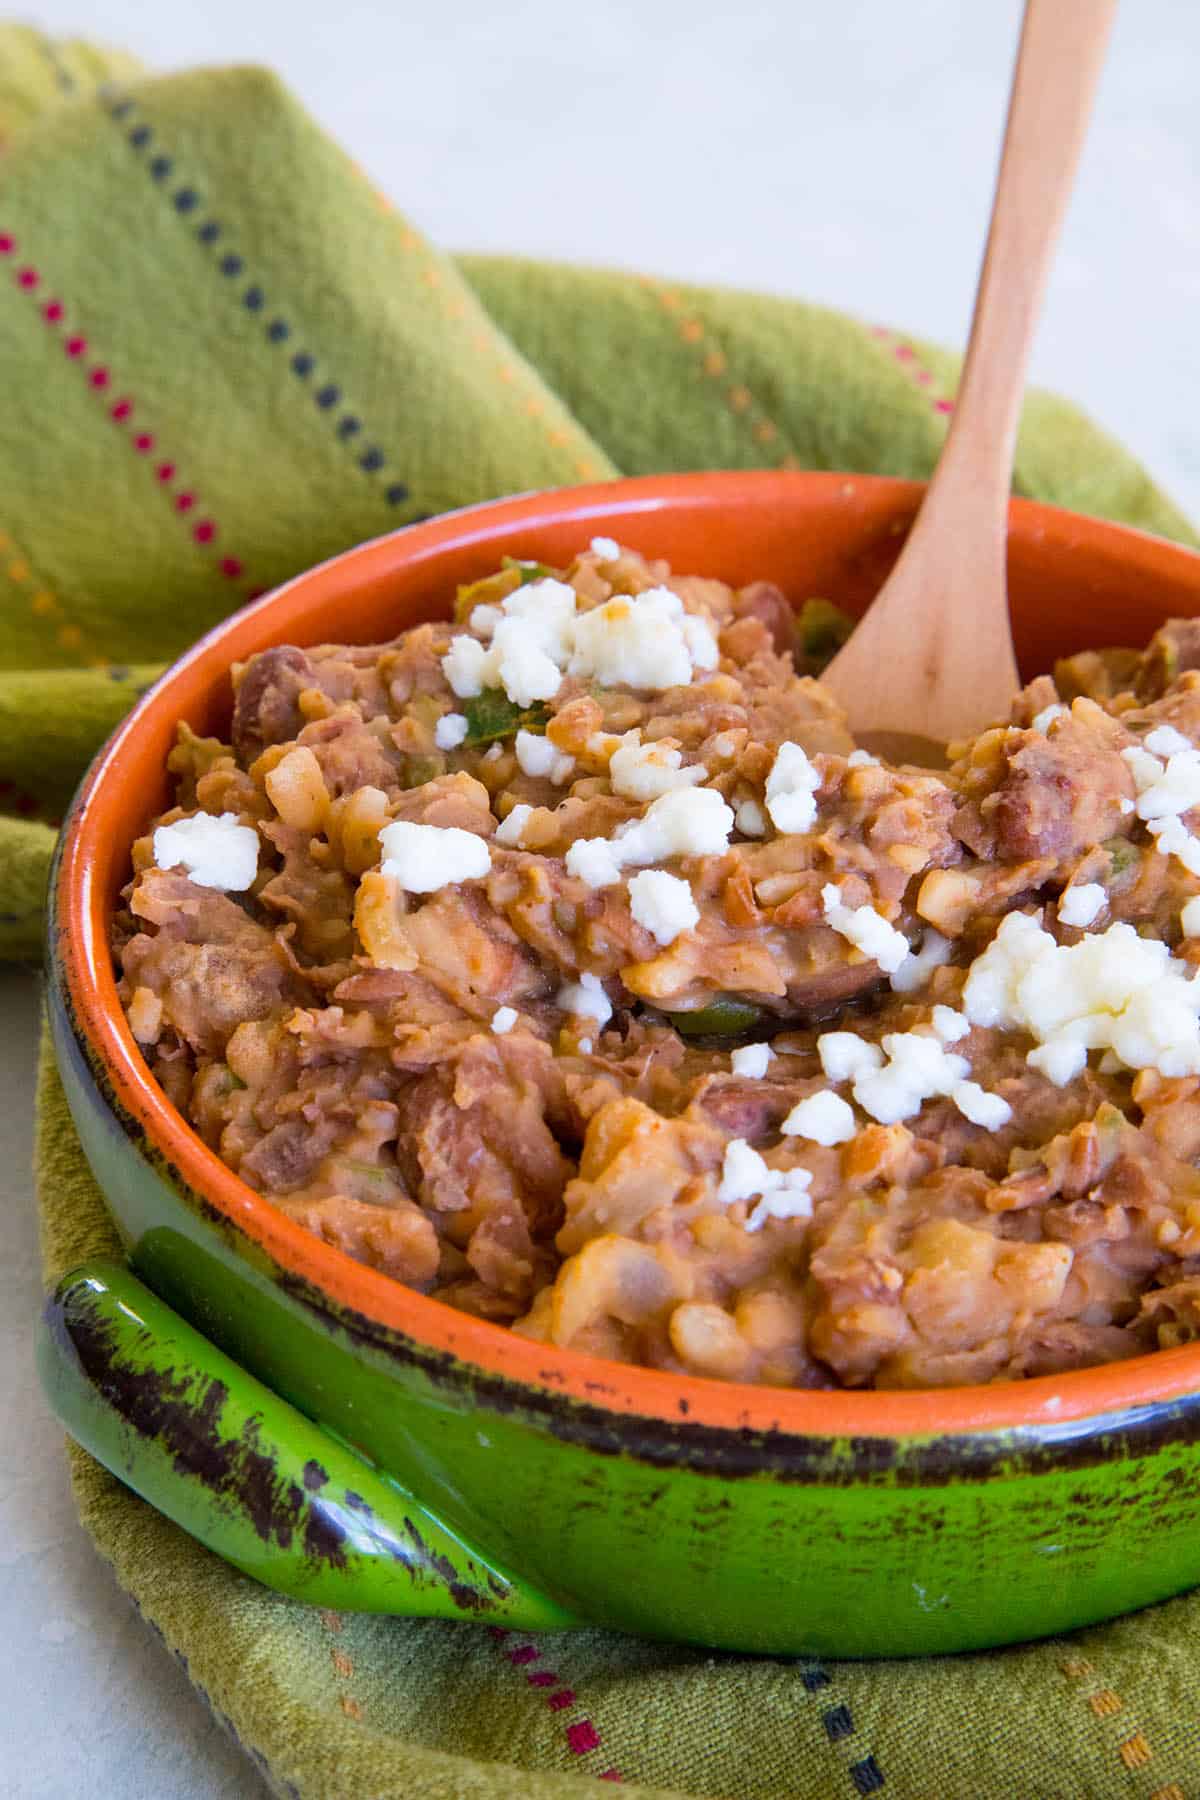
x: 247, y: 1474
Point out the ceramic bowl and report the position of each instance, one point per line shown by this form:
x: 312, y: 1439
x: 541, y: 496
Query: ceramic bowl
x: 353, y: 1443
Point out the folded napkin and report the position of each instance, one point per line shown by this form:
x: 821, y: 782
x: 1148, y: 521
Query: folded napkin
x: 224, y: 357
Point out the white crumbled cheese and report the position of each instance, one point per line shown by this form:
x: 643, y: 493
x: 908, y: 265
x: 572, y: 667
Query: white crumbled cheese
x: 949, y: 1025
x: 645, y: 771
x: 524, y: 670
x: 1125, y: 805
x: 585, y: 1046
x: 825, y: 1118
x: 1061, y: 1060
x: 750, y: 821
x: 790, y: 1199
x: 663, y: 904
x: 594, y: 862
x: 846, y: 1057
x: 463, y: 666
x: 484, y: 620
x: 918, y: 1068
x: 685, y: 822
x: 1043, y: 720
x: 782, y: 1193
x: 866, y: 929
x: 750, y: 1061
x: 1189, y: 917
x: 450, y: 731
x: 494, y: 753
x: 607, y: 549
x: 919, y: 965
x: 546, y: 609
x: 215, y: 850
x: 509, y: 832
x: 1165, y: 791
x: 1164, y: 740
x: 1112, y: 991
x: 423, y: 858
x: 537, y: 633
x: 701, y: 642
x: 644, y: 641
x: 725, y: 744
x: 1172, y: 838
x: 530, y: 636
x: 1080, y: 905
x: 587, y: 999
x: 862, y: 759
x: 537, y: 756
x: 980, y: 1107
x: 503, y: 1019
x: 791, y: 787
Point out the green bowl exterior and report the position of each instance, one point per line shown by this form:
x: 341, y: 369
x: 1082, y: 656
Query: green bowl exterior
x: 775, y: 1543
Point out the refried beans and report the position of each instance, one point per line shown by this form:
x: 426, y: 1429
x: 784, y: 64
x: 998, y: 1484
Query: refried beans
x: 568, y: 963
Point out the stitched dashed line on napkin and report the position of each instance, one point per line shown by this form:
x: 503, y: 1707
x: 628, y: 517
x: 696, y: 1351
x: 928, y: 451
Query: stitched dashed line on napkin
x: 204, y: 531
x: 454, y: 307
x: 714, y: 364
x: 63, y: 77
x: 278, y: 329
x: 903, y: 353
x: 839, y: 1726
x: 43, y: 602
x: 343, y: 1665
x: 1132, y: 1748
x: 581, y: 1734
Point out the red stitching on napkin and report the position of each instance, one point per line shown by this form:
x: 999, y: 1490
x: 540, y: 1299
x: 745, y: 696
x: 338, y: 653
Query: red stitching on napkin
x: 906, y: 356
x: 581, y: 1734
x: 99, y: 377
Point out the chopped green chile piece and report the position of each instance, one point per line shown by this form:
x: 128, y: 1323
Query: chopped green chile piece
x: 720, y: 1018
x: 1122, y: 855
x: 492, y: 716
x: 528, y: 571
x: 821, y: 630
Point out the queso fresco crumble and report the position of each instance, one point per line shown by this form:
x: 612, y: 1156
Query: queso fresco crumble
x: 569, y: 963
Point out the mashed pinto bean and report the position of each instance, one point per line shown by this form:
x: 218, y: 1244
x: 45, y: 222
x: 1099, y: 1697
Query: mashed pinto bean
x: 827, y: 1100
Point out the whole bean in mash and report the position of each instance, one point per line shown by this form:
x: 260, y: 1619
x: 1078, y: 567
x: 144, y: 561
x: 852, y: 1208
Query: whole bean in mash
x: 568, y: 962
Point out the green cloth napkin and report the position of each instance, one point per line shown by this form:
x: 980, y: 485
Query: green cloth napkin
x: 224, y: 357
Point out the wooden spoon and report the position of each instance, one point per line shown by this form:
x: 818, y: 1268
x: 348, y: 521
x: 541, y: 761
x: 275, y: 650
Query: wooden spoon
x: 933, y: 658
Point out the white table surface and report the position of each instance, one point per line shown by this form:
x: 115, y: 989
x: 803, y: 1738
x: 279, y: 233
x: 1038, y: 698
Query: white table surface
x: 843, y: 153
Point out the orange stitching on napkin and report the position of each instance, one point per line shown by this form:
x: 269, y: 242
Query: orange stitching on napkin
x: 581, y: 1735
x: 906, y: 356
x: 1105, y: 1703
x: 43, y: 603
x: 100, y: 380
x: 454, y: 307
x: 1134, y: 1751
x: 343, y: 1664
x: 715, y: 364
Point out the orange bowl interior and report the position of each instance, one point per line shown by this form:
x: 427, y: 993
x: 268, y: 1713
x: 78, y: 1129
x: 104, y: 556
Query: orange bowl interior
x: 1075, y: 583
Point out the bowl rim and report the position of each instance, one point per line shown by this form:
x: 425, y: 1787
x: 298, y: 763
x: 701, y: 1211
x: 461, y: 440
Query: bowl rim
x: 81, y: 962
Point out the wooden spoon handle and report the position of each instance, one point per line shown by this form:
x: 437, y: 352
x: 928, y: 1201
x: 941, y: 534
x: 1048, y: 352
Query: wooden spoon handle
x: 1058, y: 65
x: 934, y: 654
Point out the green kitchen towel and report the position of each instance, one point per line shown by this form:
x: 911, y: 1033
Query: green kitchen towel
x: 225, y: 356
